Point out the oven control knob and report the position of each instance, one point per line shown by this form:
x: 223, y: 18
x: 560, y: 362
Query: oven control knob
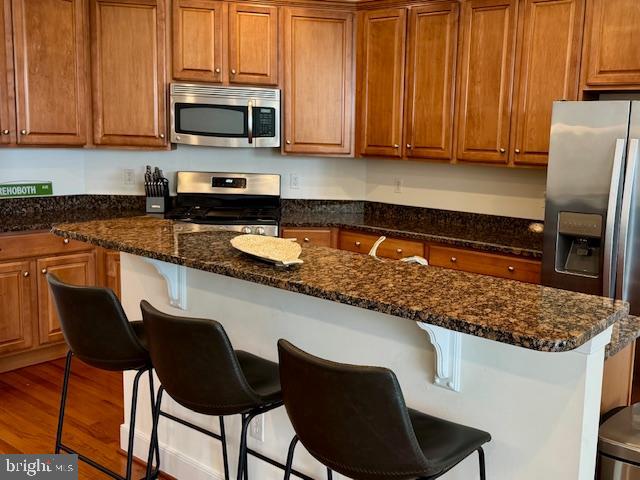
x: 260, y: 230
x: 246, y: 229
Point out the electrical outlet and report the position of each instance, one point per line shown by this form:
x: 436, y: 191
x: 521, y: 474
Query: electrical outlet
x: 256, y: 428
x: 397, y: 185
x: 128, y: 176
x: 294, y: 181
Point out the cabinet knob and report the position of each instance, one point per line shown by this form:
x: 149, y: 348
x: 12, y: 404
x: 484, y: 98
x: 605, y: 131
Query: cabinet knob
x: 233, y: 71
x: 25, y: 274
x: 409, y: 146
x: 511, y: 268
x: 517, y: 150
x: 399, y: 251
x: 288, y: 142
x: 162, y: 135
x: 5, y: 132
x: 217, y: 70
x: 454, y: 259
x: 23, y: 132
x: 357, y: 244
x: 395, y: 145
x: 44, y: 271
x: 503, y: 150
x: 306, y: 239
x: 66, y: 241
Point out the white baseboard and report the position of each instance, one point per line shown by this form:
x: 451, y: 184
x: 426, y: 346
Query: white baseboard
x: 172, y: 462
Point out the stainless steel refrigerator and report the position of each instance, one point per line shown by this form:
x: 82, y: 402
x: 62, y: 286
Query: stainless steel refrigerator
x: 592, y: 229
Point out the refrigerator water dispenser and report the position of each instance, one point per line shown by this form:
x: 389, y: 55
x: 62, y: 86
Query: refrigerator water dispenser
x: 579, y: 244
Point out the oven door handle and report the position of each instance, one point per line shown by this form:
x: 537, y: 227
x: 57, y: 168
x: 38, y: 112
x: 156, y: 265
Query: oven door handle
x: 250, y: 121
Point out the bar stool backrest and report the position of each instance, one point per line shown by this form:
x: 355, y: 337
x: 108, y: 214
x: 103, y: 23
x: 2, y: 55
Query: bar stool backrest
x: 96, y: 328
x: 196, y: 363
x: 351, y: 418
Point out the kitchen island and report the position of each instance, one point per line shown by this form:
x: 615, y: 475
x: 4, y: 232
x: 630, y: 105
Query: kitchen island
x: 521, y: 361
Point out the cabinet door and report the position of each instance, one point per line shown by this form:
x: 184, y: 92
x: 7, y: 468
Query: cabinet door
x: 318, y: 82
x: 78, y: 269
x: 7, y: 100
x: 431, y: 60
x: 197, y: 40
x: 16, y: 306
x: 253, y: 44
x: 612, y: 43
x: 486, y: 80
x: 127, y: 47
x: 548, y: 61
x: 51, y: 80
x: 381, y: 69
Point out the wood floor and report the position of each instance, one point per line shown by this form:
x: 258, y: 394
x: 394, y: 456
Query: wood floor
x: 29, y: 402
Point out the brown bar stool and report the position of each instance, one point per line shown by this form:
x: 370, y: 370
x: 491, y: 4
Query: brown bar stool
x: 353, y: 419
x: 199, y: 369
x: 98, y: 333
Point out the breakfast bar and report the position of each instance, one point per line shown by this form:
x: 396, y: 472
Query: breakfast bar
x: 521, y: 361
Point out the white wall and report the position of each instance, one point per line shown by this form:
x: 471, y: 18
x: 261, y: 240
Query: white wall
x: 472, y: 188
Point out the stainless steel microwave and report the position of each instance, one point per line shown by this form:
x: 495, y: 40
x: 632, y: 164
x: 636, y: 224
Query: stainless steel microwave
x: 225, y: 116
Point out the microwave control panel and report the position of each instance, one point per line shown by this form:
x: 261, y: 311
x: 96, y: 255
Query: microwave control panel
x: 264, y: 122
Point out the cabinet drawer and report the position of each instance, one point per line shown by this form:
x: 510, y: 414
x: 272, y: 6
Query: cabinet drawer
x: 36, y: 245
x: 309, y: 236
x: 390, y: 248
x: 485, y: 263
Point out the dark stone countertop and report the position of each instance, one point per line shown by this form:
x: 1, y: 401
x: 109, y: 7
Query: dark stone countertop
x: 41, y: 213
x: 624, y: 333
x: 476, y: 231
x: 525, y: 315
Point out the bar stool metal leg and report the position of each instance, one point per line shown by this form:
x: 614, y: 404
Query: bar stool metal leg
x: 245, y: 418
x: 132, y: 423
x: 289, y: 466
x: 483, y: 474
x: 225, y: 457
x: 154, y: 432
x: 329, y: 474
x: 63, y: 400
x: 154, y: 440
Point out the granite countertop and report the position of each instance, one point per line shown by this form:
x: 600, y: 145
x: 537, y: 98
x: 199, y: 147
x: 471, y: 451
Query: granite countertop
x: 624, y: 333
x: 480, y: 232
x: 525, y: 315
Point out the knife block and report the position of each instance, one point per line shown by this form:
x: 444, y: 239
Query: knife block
x: 158, y: 204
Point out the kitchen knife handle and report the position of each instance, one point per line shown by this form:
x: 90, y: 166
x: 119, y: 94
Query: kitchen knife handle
x: 627, y: 197
x: 614, y: 194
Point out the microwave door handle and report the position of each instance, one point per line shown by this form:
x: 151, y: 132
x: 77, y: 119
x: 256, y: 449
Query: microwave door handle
x: 250, y: 121
x: 627, y: 197
x: 607, y: 269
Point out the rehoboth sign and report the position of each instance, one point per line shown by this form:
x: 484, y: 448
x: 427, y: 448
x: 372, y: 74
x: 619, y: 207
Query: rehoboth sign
x: 25, y: 189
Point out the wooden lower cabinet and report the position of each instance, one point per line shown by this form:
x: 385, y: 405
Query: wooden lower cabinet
x: 17, y: 306
x: 320, y: 237
x: 29, y: 326
x: 77, y: 269
x: 391, y: 248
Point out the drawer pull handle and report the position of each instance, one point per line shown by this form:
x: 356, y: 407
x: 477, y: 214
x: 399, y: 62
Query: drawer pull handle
x: 511, y: 268
x: 44, y: 271
x: 357, y: 244
x: 66, y: 241
x: 454, y: 259
x: 399, y: 250
x: 25, y: 274
x: 306, y: 239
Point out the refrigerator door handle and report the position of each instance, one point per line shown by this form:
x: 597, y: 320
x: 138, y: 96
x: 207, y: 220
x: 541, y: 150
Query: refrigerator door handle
x: 627, y: 197
x: 607, y: 269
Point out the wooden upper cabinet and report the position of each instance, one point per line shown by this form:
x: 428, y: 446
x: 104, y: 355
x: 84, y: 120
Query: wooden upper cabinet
x: 197, y: 40
x: 486, y: 64
x: 128, y: 68
x: 253, y: 44
x: 431, y: 61
x: 611, y: 54
x: 16, y: 306
x: 50, y: 63
x: 318, y: 81
x: 549, y: 56
x: 381, y: 73
x: 78, y: 269
x: 7, y: 99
